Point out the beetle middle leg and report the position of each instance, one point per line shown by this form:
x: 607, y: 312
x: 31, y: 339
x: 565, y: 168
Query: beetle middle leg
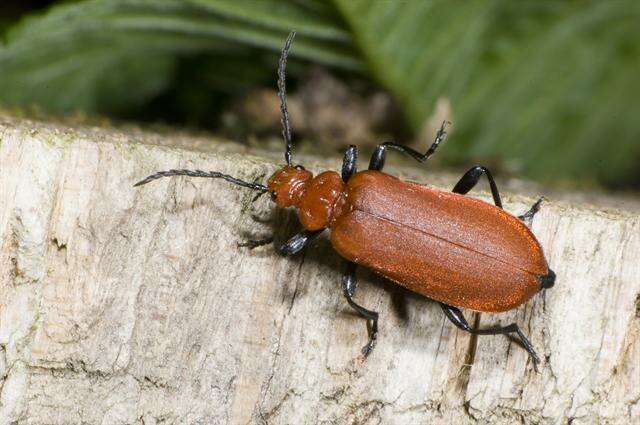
x: 457, y: 318
x: 349, y: 285
x: 380, y: 154
x: 470, y: 179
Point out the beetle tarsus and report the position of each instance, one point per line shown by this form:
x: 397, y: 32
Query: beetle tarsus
x: 528, y: 216
x: 367, y: 349
x: 457, y: 318
x: 349, y: 285
x: 251, y: 244
x: 380, y: 154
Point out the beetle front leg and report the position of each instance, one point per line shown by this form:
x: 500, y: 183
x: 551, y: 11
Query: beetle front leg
x: 470, y: 179
x: 297, y: 242
x: 251, y: 244
x: 349, y: 285
x: 457, y: 318
x: 294, y: 245
x: 380, y: 154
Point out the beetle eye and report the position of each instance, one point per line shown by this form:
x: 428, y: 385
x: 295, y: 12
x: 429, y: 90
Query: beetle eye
x: 299, y: 167
x: 273, y: 195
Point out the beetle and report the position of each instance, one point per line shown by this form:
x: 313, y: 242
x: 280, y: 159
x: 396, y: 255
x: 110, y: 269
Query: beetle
x: 459, y: 251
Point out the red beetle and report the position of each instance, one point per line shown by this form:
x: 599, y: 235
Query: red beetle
x: 459, y: 251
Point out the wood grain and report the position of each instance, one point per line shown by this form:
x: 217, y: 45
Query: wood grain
x: 135, y: 306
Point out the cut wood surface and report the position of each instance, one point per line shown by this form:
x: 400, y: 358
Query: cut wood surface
x: 122, y: 305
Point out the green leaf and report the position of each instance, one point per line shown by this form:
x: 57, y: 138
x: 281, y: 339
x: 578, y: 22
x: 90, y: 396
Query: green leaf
x: 318, y: 20
x: 114, y: 55
x: 549, y: 87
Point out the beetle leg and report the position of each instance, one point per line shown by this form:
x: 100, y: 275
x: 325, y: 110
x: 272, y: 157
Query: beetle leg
x: 470, y: 179
x: 349, y: 163
x: 528, y: 216
x: 251, y: 244
x: 457, y: 318
x: 298, y: 241
x: 380, y: 154
x: 349, y: 285
x: 294, y: 245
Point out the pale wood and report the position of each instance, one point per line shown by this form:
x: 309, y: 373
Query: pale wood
x: 135, y: 306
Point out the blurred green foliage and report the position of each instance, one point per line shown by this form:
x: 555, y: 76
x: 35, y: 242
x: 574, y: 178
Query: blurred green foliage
x: 549, y: 88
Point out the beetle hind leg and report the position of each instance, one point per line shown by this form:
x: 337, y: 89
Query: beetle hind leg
x: 528, y: 216
x: 457, y: 318
x: 470, y: 179
x: 349, y: 285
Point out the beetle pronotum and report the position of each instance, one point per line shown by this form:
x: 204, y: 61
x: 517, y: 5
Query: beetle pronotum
x: 459, y: 251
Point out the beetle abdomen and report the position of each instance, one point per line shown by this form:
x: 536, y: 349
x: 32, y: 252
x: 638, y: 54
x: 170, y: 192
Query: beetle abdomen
x: 448, y: 247
x: 431, y: 266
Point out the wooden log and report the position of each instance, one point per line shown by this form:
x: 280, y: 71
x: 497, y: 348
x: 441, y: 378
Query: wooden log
x: 122, y: 305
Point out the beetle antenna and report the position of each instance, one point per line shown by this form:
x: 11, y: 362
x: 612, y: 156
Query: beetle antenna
x: 282, y: 94
x: 199, y: 173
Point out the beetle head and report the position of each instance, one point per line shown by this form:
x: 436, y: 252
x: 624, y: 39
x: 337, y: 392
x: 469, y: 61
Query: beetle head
x: 288, y: 184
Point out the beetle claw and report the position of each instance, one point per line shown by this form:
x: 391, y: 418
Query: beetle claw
x: 535, y: 361
x: 528, y: 216
x: 367, y: 349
